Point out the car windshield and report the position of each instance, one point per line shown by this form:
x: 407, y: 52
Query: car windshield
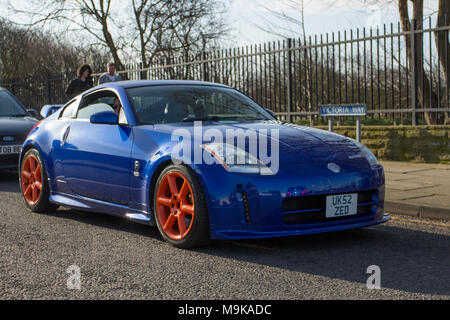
x: 187, y: 103
x: 9, y: 107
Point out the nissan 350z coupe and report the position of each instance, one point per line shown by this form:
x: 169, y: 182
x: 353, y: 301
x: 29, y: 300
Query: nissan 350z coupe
x: 200, y: 161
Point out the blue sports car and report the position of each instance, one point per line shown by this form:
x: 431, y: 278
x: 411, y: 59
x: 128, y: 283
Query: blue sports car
x: 200, y: 161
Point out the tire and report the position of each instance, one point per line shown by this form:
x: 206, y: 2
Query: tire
x: 180, y: 209
x: 34, y: 183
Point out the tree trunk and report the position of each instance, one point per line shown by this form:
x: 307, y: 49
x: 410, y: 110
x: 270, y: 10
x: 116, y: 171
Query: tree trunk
x: 427, y: 97
x: 110, y: 43
x: 442, y: 43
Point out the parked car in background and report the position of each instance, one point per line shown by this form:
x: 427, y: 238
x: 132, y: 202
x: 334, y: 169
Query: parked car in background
x: 15, y: 123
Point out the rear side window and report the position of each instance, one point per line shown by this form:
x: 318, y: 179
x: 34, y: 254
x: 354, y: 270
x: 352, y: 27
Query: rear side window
x: 70, y: 110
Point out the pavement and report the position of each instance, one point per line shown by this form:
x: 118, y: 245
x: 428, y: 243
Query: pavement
x: 417, y: 189
x: 120, y: 259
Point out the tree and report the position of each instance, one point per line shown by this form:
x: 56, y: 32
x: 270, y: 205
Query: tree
x: 27, y: 52
x: 427, y: 97
x: 150, y: 17
x: 288, y: 23
x: 442, y: 42
x: 90, y: 16
x: 166, y: 29
x: 150, y: 27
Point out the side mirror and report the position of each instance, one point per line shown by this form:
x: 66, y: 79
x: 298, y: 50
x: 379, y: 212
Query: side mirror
x: 271, y: 112
x: 34, y: 113
x: 105, y: 117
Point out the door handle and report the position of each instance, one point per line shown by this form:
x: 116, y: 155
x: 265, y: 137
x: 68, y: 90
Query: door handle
x: 65, y: 135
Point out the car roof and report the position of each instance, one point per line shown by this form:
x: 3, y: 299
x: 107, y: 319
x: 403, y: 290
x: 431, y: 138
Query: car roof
x: 146, y: 83
x: 14, y: 97
x: 4, y: 89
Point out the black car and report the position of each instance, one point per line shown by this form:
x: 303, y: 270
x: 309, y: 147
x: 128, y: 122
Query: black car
x: 15, y: 123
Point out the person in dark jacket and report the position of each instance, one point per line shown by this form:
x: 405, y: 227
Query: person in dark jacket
x: 82, y: 83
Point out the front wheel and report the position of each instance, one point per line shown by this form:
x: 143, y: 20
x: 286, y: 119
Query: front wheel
x: 34, y: 183
x: 180, y: 209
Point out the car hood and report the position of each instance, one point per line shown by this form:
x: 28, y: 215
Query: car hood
x: 296, y: 144
x: 16, y: 126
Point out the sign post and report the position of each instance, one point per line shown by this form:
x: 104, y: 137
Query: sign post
x: 352, y: 110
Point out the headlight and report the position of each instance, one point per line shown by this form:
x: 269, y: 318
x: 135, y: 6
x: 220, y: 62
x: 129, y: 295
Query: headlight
x: 234, y: 159
x: 367, y: 153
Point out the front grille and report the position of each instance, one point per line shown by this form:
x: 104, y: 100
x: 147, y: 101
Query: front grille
x: 18, y: 139
x: 306, y: 209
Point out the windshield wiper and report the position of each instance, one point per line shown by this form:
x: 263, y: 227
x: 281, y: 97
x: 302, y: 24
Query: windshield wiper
x: 252, y: 119
x: 16, y: 115
x: 209, y: 118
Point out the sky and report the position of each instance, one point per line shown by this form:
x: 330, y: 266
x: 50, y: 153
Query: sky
x: 244, y: 16
x: 319, y: 16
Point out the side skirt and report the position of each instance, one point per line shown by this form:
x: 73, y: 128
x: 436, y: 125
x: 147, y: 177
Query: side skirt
x: 93, y: 205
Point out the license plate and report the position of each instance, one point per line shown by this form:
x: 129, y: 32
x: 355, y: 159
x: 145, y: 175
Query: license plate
x: 342, y: 205
x: 10, y: 149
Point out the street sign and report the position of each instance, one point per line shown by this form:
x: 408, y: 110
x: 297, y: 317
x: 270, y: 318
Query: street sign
x: 340, y: 110
x: 343, y: 110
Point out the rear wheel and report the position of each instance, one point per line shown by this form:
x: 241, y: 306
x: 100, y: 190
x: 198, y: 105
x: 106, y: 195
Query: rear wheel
x: 179, y: 208
x: 34, y: 183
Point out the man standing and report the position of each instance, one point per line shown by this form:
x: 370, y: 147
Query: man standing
x: 110, y: 75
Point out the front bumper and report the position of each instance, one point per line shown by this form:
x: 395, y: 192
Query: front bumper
x: 9, y: 161
x: 274, y: 232
x: 252, y: 206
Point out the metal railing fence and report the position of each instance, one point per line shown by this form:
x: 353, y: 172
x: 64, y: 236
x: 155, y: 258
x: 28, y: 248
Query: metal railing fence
x: 292, y: 77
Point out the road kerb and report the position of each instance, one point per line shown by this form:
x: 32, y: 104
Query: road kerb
x: 416, y: 210
x: 434, y: 212
x: 394, y: 207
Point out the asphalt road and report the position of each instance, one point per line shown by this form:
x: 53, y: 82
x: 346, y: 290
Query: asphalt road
x: 119, y: 259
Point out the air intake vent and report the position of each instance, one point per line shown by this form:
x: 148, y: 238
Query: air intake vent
x: 246, y: 208
x: 306, y: 209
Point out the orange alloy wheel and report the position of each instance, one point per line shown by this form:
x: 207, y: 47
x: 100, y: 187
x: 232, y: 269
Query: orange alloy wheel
x: 31, y: 180
x: 175, y: 205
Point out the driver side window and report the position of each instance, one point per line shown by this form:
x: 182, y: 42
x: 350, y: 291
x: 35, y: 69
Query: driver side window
x: 98, y: 102
x: 93, y: 108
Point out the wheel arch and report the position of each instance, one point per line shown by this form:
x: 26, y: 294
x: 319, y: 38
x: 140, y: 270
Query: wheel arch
x: 155, y: 175
x: 31, y: 145
x: 154, y: 178
x: 26, y: 148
